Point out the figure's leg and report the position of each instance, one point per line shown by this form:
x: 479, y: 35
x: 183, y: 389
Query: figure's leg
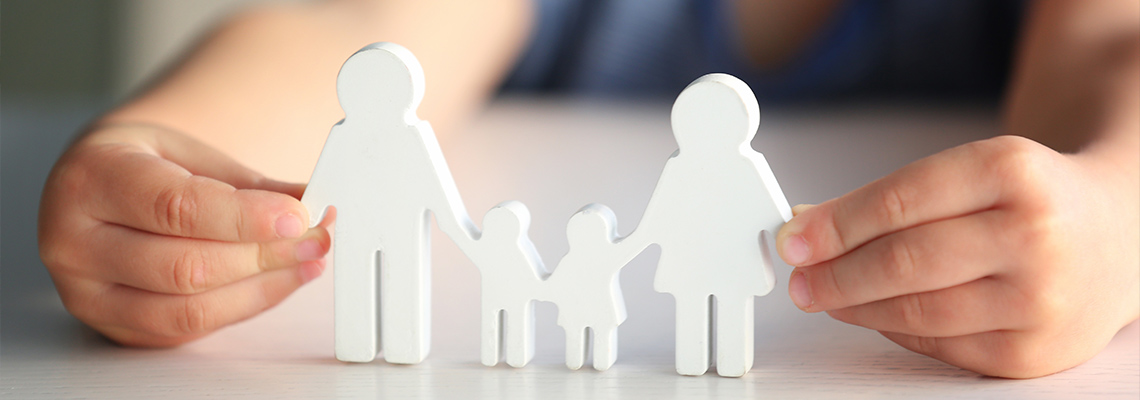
x: 405, y: 294
x: 492, y: 336
x: 520, y: 336
x: 605, y: 347
x: 354, y: 299
x: 575, y: 346
x: 693, y: 326
x: 734, y: 335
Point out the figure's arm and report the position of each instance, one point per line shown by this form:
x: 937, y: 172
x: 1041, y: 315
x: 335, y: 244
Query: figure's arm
x: 627, y: 248
x: 154, y: 237
x: 924, y: 254
x: 452, y: 218
x: 443, y: 198
x: 319, y: 195
x: 776, y: 210
x: 655, y: 216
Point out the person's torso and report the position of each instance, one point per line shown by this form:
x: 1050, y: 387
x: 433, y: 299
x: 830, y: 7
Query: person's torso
x: 880, y: 48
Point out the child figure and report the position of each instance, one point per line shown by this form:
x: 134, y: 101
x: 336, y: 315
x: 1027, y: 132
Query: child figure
x: 585, y: 285
x: 511, y: 271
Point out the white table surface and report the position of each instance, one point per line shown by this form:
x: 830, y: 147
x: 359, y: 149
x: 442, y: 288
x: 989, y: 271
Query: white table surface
x: 556, y: 156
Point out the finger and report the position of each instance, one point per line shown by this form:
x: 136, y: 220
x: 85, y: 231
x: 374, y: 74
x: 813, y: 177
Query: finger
x: 196, y: 157
x: 800, y: 208
x: 980, y: 306
x: 200, y: 159
x: 294, y: 190
x: 149, y: 193
x: 955, y: 182
x: 167, y: 264
x: 1009, y: 354
x: 179, y: 316
x: 921, y: 259
x: 127, y: 337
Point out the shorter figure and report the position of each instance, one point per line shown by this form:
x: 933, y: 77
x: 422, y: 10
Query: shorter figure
x: 585, y: 285
x: 510, y: 271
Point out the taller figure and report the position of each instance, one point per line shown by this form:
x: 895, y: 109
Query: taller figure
x: 383, y: 171
x: 714, y: 199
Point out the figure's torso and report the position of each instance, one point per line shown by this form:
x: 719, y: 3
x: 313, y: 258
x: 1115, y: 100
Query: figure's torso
x: 707, y: 220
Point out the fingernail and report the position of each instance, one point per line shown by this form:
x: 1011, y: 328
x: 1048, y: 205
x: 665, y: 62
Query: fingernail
x: 289, y: 226
x: 796, y: 250
x: 309, y: 250
x: 798, y: 290
x: 310, y: 270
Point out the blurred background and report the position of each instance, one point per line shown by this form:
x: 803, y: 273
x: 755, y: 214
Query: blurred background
x: 98, y: 49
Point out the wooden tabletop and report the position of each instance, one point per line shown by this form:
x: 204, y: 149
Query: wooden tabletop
x: 556, y: 156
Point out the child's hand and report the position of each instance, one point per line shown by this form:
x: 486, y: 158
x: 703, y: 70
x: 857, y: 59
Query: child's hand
x: 1000, y: 256
x: 155, y: 239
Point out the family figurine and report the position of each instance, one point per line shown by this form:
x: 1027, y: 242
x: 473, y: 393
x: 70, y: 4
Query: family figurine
x: 714, y: 211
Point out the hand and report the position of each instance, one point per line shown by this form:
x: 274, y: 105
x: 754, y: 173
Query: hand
x: 155, y: 239
x: 1001, y: 256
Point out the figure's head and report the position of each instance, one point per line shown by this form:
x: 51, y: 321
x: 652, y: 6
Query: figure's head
x: 594, y: 223
x: 508, y: 218
x: 381, y: 81
x: 716, y: 112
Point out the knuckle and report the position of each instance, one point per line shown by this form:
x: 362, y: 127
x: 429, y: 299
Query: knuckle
x: 1008, y: 144
x: 239, y: 227
x: 263, y: 257
x: 174, y: 210
x: 189, y: 270
x: 1039, y: 231
x: 1043, y: 303
x: 193, y: 318
x: 832, y: 292
x: 70, y: 177
x: 836, y: 225
x: 1039, y: 237
x: 895, y: 201
x: 1018, y: 161
x: 912, y: 314
x: 930, y: 346
x: 900, y: 263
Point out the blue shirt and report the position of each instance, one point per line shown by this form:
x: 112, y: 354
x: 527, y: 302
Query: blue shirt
x: 876, y: 48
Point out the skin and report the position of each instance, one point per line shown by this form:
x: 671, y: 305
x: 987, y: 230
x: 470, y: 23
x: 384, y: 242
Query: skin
x: 1011, y: 256
x: 1005, y: 256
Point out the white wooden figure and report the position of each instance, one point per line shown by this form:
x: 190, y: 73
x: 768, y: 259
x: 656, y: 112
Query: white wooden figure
x: 511, y: 273
x: 585, y: 285
x: 714, y: 198
x: 383, y: 171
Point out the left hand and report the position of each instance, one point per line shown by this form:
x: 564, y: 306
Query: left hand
x: 1000, y: 256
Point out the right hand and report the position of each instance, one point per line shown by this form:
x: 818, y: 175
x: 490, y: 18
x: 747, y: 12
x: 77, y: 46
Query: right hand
x: 156, y: 239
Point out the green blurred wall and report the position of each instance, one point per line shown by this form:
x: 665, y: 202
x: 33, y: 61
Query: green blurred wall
x: 57, y: 47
